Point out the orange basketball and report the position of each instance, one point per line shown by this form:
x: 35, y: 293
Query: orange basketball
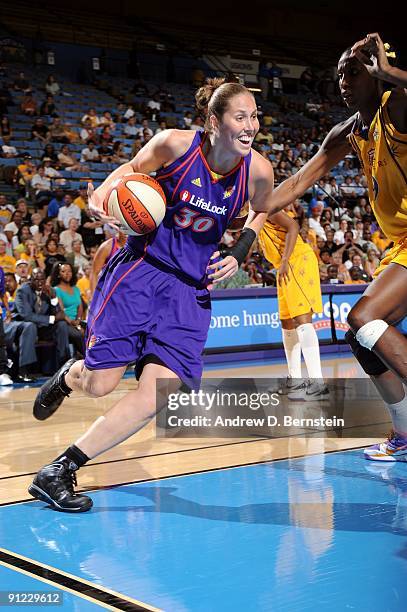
x: 137, y: 201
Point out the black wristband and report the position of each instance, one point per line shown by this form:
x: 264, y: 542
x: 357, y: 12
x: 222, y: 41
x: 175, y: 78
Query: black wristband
x: 241, y: 248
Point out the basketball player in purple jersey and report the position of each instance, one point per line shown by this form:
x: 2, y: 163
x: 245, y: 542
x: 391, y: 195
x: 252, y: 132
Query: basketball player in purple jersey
x: 152, y: 303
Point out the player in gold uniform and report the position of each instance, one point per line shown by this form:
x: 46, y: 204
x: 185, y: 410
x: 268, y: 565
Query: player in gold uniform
x: 378, y: 133
x: 299, y: 296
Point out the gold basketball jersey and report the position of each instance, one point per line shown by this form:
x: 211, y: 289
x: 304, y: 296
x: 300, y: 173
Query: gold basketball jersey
x: 383, y: 154
x: 272, y: 241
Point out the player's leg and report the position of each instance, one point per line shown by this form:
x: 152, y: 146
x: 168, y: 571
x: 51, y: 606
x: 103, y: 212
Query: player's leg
x: 382, y: 305
x: 54, y: 483
x: 74, y: 376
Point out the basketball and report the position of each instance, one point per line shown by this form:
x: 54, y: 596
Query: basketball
x: 137, y: 201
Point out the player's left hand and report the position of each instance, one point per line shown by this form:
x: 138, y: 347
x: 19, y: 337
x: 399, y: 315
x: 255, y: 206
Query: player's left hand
x: 95, y: 207
x: 372, y: 54
x: 221, y: 270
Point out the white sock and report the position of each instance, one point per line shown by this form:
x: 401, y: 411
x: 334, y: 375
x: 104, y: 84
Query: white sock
x: 310, y: 349
x: 398, y: 413
x: 292, y: 350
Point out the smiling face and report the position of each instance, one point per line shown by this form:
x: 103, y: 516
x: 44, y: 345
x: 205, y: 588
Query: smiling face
x: 238, y: 126
x: 356, y: 85
x: 65, y: 273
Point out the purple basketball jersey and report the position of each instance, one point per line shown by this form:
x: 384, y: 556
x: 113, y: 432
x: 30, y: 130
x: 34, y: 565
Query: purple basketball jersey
x: 199, y: 209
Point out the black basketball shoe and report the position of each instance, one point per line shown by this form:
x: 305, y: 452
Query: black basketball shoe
x: 54, y: 485
x: 52, y: 393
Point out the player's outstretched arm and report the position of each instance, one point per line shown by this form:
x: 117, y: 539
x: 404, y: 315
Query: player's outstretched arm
x: 333, y: 149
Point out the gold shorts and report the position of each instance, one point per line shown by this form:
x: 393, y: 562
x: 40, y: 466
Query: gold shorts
x: 397, y: 254
x: 302, y: 293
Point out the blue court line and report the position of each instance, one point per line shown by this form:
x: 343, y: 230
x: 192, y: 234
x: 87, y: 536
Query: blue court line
x: 325, y: 532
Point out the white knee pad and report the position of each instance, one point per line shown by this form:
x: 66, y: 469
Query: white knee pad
x: 368, y: 334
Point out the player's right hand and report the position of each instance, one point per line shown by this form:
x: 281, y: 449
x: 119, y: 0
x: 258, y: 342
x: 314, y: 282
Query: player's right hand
x: 283, y: 273
x: 95, y: 208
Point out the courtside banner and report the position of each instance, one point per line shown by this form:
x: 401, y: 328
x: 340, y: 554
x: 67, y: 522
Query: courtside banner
x: 255, y: 321
x: 265, y: 408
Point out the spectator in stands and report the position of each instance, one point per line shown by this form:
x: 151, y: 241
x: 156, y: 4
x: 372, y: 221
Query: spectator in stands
x: 131, y: 130
x: 329, y: 242
x: 22, y: 334
x: 68, y: 161
x: 105, y: 136
x: 76, y: 256
x: 41, y: 184
x: 129, y: 112
x: 52, y: 255
x: 35, y: 222
x: 145, y: 126
x: 162, y: 126
x: 264, y: 136
x: 67, y: 212
x: 40, y: 131
x: 371, y: 262
x: 339, y: 237
x: 91, y: 230
x: 366, y: 243
x: 91, y: 116
x: 88, y: 133
x: 187, y: 120
x: 106, y: 120
x: 49, y: 151
x: 58, y: 131
x: 83, y: 284
x: 137, y: 145
x: 37, y: 303
x: 56, y: 203
x: 29, y: 250
x: 333, y: 274
x: 22, y: 272
x: 7, y: 262
x: 6, y: 211
x: 67, y: 236
x: 81, y: 200
x: 307, y: 81
x: 48, y: 107
x: 275, y: 74
x: 8, y: 151
x: 119, y: 156
x: 53, y: 174
x: 52, y: 86
x: 105, y: 153
x: 90, y: 153
x: 5, y: 127
x: 29, y: 105
x: 63, y: 280
x: 197, y: 124
x: 10, y: 231
x: 315, y: 221
x: 357, y: 276
x: 154, y: 107
x: 21, y: 83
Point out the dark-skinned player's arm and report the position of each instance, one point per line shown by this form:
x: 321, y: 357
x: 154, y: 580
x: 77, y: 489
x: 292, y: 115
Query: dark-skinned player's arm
x: 292, y: 227
x: 260, y: 189
x: 333, y: 149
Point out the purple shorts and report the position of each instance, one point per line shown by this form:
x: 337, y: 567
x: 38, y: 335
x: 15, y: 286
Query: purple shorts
x: 140, y: 310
